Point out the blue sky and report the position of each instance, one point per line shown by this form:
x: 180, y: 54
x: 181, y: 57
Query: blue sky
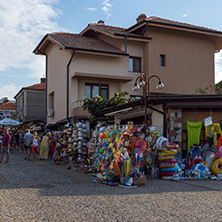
x: 23, y: 23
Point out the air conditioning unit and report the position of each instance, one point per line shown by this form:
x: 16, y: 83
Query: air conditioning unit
x: 50, y: 113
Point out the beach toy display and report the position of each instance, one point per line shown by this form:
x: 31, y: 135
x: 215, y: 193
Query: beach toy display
x: 168, y: 164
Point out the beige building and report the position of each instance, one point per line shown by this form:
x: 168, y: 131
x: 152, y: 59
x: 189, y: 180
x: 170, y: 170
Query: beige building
x: 102, y: 60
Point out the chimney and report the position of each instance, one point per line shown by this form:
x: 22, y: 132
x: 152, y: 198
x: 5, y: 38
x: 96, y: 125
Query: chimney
x: 42, y: 80
x: 101, y: 22
x: 140, y: 18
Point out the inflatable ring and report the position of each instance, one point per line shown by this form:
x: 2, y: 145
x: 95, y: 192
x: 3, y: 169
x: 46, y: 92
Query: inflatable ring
x: 170, y: 151
x: 167, y: 178
x: 171, y: 145
x: 166, y: 174
x: 169, y: 169
x: 168, y: 161
x: 164, y: 165
x: 166, y: 157
x: 160, y: 141
x: 215, y: 166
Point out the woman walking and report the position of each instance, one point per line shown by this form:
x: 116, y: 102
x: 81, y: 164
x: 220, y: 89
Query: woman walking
x: 5, y: 145
x: 35, y: 144
x: 44, y: 147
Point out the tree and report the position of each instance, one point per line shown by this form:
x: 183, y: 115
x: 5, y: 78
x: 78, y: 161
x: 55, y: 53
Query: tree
x: 98, y: 103
x: 211, y: 89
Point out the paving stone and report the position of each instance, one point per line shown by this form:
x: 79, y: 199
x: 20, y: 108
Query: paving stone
x: 43, y: 191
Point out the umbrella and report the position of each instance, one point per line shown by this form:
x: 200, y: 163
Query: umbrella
x: 9, y: 122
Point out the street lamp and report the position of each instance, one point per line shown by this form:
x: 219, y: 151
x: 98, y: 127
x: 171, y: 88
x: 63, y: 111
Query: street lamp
x: 143, y: 82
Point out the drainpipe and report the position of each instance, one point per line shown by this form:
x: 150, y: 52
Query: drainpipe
x: 125, y: 43
x: 46, y: 74
x: 67, y: 96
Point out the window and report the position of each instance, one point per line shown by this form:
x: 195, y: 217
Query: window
x: 51, y: 101
x: 134, y: 64
x: 93, y: 90
x: 162, y: 60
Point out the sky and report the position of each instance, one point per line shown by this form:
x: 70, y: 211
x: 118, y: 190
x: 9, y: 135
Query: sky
x: 23, y: 23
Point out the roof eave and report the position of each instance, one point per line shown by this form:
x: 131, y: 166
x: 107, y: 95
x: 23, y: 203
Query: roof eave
x: 38, y: 49
x: 97, y: 51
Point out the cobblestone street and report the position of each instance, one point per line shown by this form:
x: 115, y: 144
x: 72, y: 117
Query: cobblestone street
x: 43, y: 191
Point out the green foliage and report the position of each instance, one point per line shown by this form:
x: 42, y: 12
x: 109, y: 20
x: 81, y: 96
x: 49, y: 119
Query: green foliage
x: 98, y: 103
x: 211, y: 89
x: 13, y: 115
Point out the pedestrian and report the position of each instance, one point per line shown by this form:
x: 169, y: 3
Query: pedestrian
x: 21, y: 140
x: 44, y: 147
x: 34, y: 143
x: 12, y: 141
x: 1, y: 137
x: 5, y: 145
x: 27, y: 147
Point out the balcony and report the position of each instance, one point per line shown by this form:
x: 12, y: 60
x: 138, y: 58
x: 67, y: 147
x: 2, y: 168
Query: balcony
x: 78, y: 111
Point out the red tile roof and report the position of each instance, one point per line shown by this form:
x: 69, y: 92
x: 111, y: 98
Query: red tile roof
x: 7, y: 106
x: 114, y: 30
x: 77, y: 41
x: 39, y: 86
x: 154, y: 19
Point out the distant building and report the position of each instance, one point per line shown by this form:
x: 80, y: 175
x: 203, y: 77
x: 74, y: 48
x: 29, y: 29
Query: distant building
x: 30, y: 103
x: 6, y: 110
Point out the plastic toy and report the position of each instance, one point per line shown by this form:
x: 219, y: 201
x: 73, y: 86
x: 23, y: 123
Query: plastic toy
x: 168, y: 161
x: 193, y: 133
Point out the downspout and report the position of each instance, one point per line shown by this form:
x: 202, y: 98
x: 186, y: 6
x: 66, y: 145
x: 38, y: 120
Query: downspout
x: 126, y: 43
x: 46, y: 74
x: 67, y: 96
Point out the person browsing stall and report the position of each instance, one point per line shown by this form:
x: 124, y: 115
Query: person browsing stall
x: 5, y: 145
x: 27, y: 140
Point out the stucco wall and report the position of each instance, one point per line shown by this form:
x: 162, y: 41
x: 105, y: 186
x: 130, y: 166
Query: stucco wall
x: 189, y: 60
x: 35, y: 106
x: 57, y: 63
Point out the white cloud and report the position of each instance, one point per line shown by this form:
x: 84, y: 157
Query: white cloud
x: 9, y: 90
x: 107, y: 8
x: 91, y: 9
x: 184, y: 15
x: 22, y: 25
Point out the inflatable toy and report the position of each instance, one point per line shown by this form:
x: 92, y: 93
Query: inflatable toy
x: 166, y: 157
x: 193, y: 133
x: 167, y: 178
x: 170, y: 151
x: 168, y: 161
x: 161, y: 142
x: 169, y: 169
x: 163, y: 165
x: 166, y: 174
x: 215, y: 166
x: 210, y: 131
x: 171, y: 145
x: 218, y: 154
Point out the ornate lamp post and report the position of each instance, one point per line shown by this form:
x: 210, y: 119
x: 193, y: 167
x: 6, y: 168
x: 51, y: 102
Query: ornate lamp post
x: 142, y: 81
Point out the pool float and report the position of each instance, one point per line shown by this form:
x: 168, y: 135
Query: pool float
x: 169, y: 169
x: 161, y: 142
x: 200, y: 167
x: 168, y: 157
x: 167, y: 178
x: 168, y: 161
x: 166, y: 174
x: 215, y: 166
x: 196, y: 160
x: 170, y: 151
x: 171, y: 145
x: 164, y: 165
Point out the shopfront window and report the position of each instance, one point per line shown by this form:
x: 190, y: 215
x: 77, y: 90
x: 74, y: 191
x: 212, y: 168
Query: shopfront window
x: 93, y: 90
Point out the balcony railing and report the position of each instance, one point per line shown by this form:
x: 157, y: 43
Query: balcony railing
x: 78, y: 103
